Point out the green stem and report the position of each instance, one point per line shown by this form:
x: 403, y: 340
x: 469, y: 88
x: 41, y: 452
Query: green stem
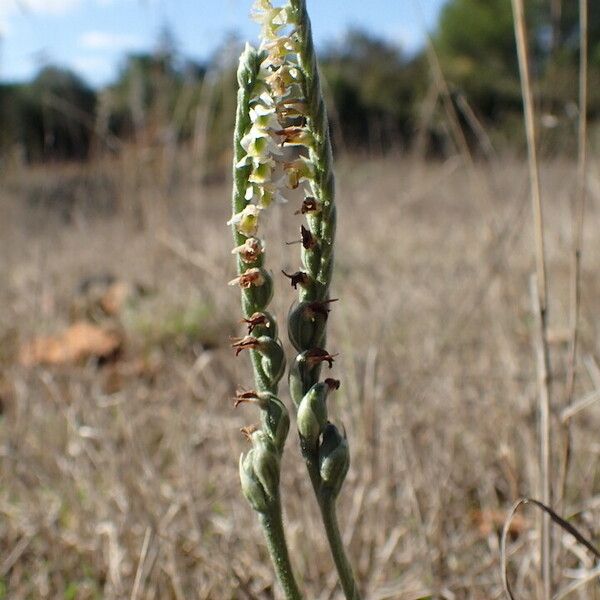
x: 329, y: 517
x: 272, y: 525
x: 344, y: 568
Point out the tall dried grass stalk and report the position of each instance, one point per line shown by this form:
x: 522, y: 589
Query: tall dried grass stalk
x: 540, y: 297
x: 580, y: 199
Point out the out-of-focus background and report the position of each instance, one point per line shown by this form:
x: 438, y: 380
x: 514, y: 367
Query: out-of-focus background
x: 118, y: 438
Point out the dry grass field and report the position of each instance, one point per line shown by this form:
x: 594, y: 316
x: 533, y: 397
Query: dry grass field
x: 118, y: 474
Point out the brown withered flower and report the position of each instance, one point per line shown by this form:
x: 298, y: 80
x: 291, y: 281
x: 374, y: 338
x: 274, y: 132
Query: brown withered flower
x: 297, y: 278
x: 248, y: 342
x: 256, y: 319
x: 248, y: 279
x: 250, y: 250
x: 309, y: 205
x: 319, y: 355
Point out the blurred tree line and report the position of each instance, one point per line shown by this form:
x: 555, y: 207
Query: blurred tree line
x: 465, y: 80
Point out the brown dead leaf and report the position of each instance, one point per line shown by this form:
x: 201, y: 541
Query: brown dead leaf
x: 115, y: 296
x: 78, y: 342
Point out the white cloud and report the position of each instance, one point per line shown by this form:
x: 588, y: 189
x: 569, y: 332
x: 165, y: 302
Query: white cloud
x: 104, y: 40
x: 9, y: 8
x: 49, y: 7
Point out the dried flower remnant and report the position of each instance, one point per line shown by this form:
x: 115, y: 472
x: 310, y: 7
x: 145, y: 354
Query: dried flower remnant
x: 297, y: 278
x: 249, y: 251
x: 251, y: 277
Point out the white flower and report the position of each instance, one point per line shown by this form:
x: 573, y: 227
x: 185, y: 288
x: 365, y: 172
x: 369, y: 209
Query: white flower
x: 297, y: 171
x: 259, y: 144
x: 269, y: 193
x: 266, y: 194
x: 246, y: 221
x: 264, y: 117
x: 278, y: 49
x: 280, y: 80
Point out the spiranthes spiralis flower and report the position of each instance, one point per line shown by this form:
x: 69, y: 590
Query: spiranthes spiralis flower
x: 280, y: 104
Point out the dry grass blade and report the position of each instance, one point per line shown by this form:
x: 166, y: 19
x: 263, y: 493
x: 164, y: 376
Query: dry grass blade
x: 575, y: 270
x: 551, y: 515
x: 530, y: 131
x: 137, y: 583
x: 541, y: 350
x: 570, y: 411
x: 541, y: 296
x: 579, y: 207
x: 575, y: 585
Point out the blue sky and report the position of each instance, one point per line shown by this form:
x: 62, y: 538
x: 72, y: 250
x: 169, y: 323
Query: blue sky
x: 91, y: 36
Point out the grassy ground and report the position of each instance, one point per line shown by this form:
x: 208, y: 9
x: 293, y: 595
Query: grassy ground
x: 119, y: 480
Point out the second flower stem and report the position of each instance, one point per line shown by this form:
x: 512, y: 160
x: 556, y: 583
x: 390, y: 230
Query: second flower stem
x: 329, y: 514
x: 329, y: 517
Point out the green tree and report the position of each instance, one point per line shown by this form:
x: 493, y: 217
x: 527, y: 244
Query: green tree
x: 476, y: 45
x: 56, y: 116
x: 373, y: 88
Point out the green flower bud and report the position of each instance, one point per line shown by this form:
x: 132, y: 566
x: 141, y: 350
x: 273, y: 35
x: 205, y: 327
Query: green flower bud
x: 272, y: 359
x: 305, y: 370
x: 248, y: 66
x: 275, y: 419
x: 312, y: 414
x: 251, y: 487
x: 306, y: 324
x: 312, y: 417
x: 298, y: 375
x: 265, y: 461
x: 334, y: 460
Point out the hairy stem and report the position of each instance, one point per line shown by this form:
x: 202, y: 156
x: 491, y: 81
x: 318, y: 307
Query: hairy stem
x: 344, y: 568
x: 272, y: 525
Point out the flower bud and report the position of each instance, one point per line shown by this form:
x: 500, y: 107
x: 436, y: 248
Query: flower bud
x: 272, y: 359
x: 249, y: 63
x: 265, y: 462
x: 312, y: 414
x: 334, y: 460
x: 275, y: 419
x: 251, y: 487
x: 305, y: 370
x: 306, y: 325
x: 301, y: 378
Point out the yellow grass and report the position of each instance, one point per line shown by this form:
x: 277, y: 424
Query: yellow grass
x: 120, y: 481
